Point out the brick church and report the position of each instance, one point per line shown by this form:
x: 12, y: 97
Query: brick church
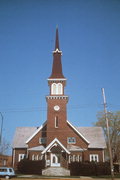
x: 57, y: 140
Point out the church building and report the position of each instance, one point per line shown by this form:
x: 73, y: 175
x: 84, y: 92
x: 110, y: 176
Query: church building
x: 57, y: 140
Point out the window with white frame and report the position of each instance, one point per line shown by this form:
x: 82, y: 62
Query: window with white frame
x: 36, y: 157
x: 56, y: 121
x: 33, y: 157
x: 42, y: 140
x: 21, y: 156
x: 41, y: 157
x: 70, y: 158
x: 4, y: 162
x: 74, y: 158
x: 71, y: 140
x: 60, y: 88
x: 94, y: 157
x: 56, y: 88
x: 77, y: 158
x: 80, y: 158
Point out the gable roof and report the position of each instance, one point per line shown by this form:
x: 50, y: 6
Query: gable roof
x: 38, y: 130
x: 52, y: 143
x: 78, y: 132
x: 94, y: 135
x: 21, y: 136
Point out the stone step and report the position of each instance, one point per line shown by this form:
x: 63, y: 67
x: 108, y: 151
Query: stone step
x: 55, y: 171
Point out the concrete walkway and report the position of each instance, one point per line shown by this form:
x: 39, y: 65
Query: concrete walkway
x: 36, y: 177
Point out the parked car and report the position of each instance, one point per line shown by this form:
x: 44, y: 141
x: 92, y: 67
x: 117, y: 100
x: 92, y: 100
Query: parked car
x: 7, y: 172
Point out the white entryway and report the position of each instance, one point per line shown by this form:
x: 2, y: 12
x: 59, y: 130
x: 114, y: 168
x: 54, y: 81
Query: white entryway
x: 55, y: 160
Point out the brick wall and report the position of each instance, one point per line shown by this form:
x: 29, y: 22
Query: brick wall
x: 15, y: 155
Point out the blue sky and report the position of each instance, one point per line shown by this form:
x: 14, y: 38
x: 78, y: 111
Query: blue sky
x: 89, y: 33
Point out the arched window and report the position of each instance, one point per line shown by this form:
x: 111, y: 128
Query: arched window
x: 33, y: 157
x: 74, y: 158
x: 56, y: 122
x: 54, y: 88
x: 37, y: 157
x: 60, y: 88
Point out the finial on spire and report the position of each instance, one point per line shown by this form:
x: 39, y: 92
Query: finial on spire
x: 57, y: 39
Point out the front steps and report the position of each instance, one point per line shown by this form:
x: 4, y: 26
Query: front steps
x: 55, y: 171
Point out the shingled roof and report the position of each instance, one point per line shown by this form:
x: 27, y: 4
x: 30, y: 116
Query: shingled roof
x: 21, y: 136
x: 93, y: 134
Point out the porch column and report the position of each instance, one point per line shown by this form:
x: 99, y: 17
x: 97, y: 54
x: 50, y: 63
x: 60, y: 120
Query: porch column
x: 45, y: 160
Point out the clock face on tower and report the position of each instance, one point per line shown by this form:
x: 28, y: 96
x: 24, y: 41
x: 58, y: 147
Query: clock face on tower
x: 56, y: 108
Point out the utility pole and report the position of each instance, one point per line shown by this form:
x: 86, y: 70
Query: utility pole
x: 1, y: 128
x: 108, y: 135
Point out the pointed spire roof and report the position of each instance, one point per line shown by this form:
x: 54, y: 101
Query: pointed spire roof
x: 57, y: 65
x: 57, y: 40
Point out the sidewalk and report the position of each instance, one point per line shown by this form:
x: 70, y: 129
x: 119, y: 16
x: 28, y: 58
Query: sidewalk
x: 36, y: 177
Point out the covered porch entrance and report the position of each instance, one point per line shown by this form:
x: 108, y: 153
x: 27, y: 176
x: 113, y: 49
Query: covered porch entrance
x: 55, y: 160
x: 56, y: 155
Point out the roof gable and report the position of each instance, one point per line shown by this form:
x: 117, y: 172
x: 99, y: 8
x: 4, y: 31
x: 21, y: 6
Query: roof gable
x: 78, y: 132
x: 53, y: 143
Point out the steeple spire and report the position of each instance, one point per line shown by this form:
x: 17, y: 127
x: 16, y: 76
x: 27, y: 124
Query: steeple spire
x: 57, y: 40
x: 57, y: 65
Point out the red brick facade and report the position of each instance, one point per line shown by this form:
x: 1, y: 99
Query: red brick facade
x: 57, y: 141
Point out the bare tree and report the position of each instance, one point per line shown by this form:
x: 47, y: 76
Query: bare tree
x: 114, y: 127
x: 4, y: 147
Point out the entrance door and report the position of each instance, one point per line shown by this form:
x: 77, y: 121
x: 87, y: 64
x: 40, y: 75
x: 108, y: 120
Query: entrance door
x: 55, y: 160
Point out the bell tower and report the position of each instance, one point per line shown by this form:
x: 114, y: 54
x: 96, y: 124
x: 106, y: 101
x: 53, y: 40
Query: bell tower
x: 56, y: 100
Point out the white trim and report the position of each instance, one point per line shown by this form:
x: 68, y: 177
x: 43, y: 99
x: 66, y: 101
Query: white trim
x: 54, y: 88
x: 42, y: 140
x: 57, y: 50
x: 56, y: 163
x: 59, y: 96
x: 78, y: 132
x: 13, y: 157
x: 36, y: 148
x: 35, y: 132
x: 71, y: 138
x: 57, y: 79
x: 94, y: 157
x: 78, y: 150
x: 20, y: 157
x: 56, y: 122
x: 51, y: 145
x: 37, y: 157
x: 74, y: 157
x: 103, y: 155
x: 33, y: 157
x: 57, y: 89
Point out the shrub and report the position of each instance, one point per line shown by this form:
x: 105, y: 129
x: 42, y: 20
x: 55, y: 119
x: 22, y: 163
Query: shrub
x: 89, y: 169
x: 30, y: 167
